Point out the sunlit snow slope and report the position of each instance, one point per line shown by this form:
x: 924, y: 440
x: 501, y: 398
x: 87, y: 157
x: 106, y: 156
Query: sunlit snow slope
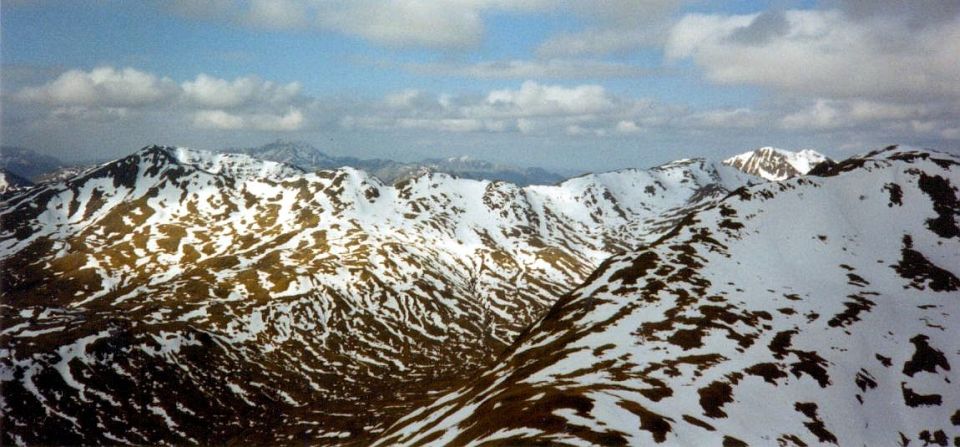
x: 818, y: 310
x: 178, y: 296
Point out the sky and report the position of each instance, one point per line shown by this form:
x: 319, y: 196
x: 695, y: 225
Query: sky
x: 566, y: 85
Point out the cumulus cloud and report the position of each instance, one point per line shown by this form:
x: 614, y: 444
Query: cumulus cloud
x: 830, y: 114
x: 821, y: 52
x: 222, y: 120
x: 535, y: 108
x: 103, y: 86
x: 207, y: 91
x: 532, y: 108
x: 217, y: 119
x: 106, y: 94
x: 533, y: 99
x: 627, y: 127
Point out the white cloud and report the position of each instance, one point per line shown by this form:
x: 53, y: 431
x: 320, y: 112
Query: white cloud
x: 526, y: 126
x: 88, y: 114
x: 452, y: 124
x: 108, y: 94
x: 822, y: 115
x: 823, y: 53
x: 726, y: 118
x: 870, y: 115
x: 533, y: 69
x: 627, y: 127
x: 222, y: 120
x: 292, y: 120
x: 102, y: 86
x: 533, y: 99
x: 532, y: 108
x: 217, y: 119
x: 207, y: 91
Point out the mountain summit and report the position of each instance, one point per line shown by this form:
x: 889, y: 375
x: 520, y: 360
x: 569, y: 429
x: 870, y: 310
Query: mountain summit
x: 776, y: 164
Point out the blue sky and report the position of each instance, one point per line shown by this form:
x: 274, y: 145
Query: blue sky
x: 585, y: 85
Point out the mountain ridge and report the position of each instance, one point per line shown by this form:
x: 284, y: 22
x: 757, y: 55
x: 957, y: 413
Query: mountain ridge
x: 682, y: 341
x: 390, y: 171
x: 194, y: 265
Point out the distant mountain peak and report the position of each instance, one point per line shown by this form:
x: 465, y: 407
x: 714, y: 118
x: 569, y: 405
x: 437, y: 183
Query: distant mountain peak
x: 307, y: 157
x: 776, y: 164
x: 27, y: 164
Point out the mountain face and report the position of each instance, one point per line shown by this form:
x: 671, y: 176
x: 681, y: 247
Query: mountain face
x: 776, y: 164
x: 817, y: 310
x: 9, y: 180
x: 64, y: 173
x: 178, y: 296
x: 27, y: 164
x: 389, y: 171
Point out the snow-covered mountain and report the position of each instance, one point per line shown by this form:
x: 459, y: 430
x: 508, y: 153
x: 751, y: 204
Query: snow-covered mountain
x: 311, y: 159
x: 65, y: 173
x: 776, y: 164
x: 179, y: 296
x: 9, y: 180
x: 27, y: 164
x: 816, y: 310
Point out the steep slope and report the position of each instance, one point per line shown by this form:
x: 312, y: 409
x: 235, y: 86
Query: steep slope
x: 9, y: 180
x: 818, y: 310
x: 177, y: 296
x: 776, y: 164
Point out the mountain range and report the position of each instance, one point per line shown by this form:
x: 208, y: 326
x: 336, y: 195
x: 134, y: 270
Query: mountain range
x: 390, y: 171
x: 27, y: 164
x: 750, y: 323
x: 177, y: 296
x: 168, y: 296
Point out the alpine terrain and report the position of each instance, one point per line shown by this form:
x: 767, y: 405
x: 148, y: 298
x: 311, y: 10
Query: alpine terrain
x: 818, y: 310
x: 179, y: 297
x: 9, y: 180
x: 776, y: 164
